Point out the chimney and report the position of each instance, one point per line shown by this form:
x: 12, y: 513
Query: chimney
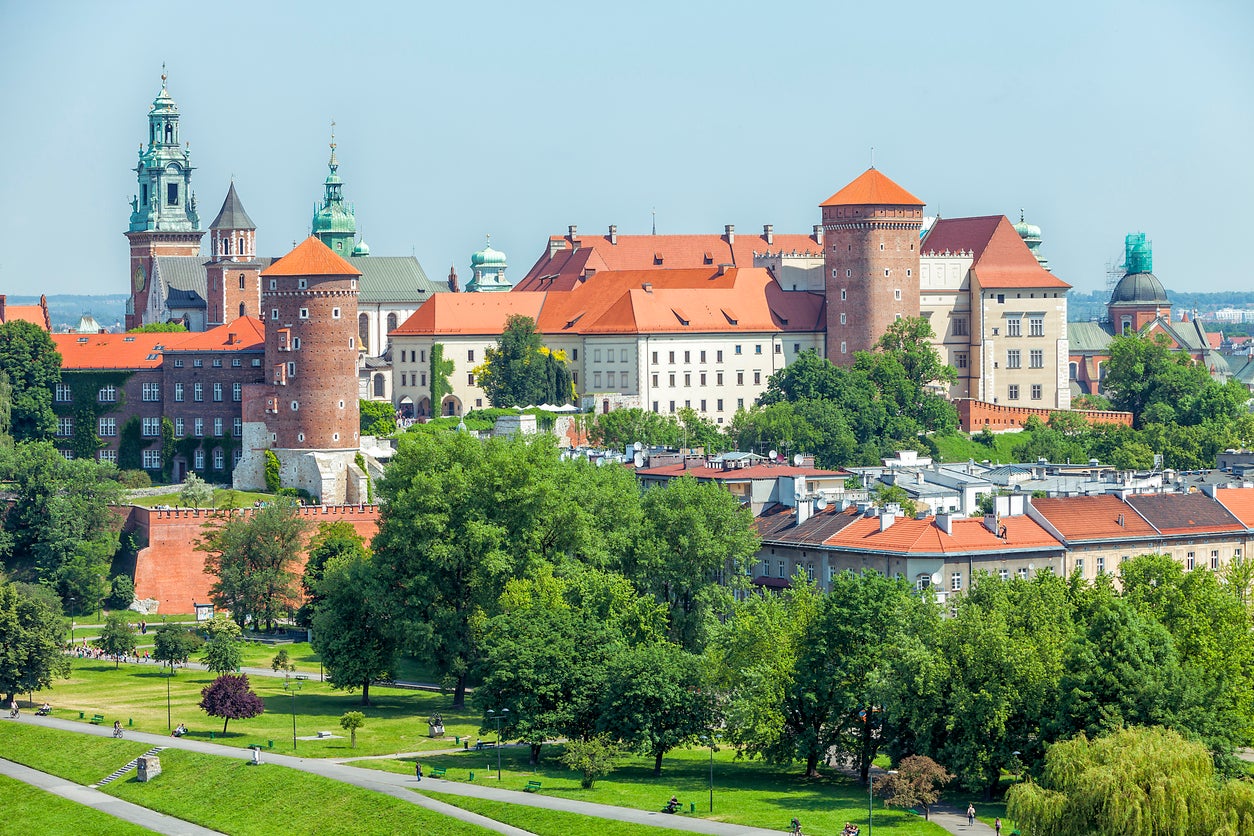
x: 990, y: 522
x: 723, y: 268
x: 886, y: 520
x: 768, y: 232
x: 730, y: 232
x: 230, y: 338
x: 613, y: 233
x: 945, y: 522
x: 572, y: 232
x: 818, y: 234
x: 647, y: 287
x: 805, y: 510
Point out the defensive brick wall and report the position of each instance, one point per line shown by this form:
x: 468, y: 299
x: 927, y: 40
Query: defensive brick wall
x: 974, y: 415
x: 172, y: 571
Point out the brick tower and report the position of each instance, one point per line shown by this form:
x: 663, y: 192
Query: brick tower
x: 308, y: 411
x: 163, y: 214
x: 232, y: 276
x: 871, y: 262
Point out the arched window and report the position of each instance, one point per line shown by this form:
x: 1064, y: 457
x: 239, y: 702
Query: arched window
x: 241, y: 281
x: 226, y: 246
x: 169, y: 133
x: 241, y: 309
x: 378, y: 385
x: 242, y: 248
x: 363, y: 331
x: 391, y: 322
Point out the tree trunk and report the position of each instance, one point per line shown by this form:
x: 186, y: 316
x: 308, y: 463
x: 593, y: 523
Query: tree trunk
x: 657, y: 764
x: 812, y: 764
x: 224, y: 722
x: 365, y: 692
x: 352, y: 733
x: 459, y: 692
x: 927, y: 812
x: 535, y: 753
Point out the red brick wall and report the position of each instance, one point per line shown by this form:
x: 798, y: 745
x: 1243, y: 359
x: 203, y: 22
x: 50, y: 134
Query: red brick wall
x: 975, y: 415
x: 171, y: 570
x: 853, y: 236
x: 144, y: 247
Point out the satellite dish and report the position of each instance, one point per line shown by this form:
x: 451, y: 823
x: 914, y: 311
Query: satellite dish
x: 639, y: 460
x: 798, y: 459
x: 601, y: 462
x: 772, y: 455
x: 637, y: 446
x: 821, y: 504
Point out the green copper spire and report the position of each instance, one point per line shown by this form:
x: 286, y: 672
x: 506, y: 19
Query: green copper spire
x: 165, y: 201
x: 488, y: 268
x: 334, y: 223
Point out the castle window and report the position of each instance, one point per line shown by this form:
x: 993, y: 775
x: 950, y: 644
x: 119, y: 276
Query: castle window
x: 960, y: 326
x: 897, y: 295
x: 274, y: 284
x: 844, y: 349
x: 842, y: 319
x: 143, y: 191
x: 1014, y: 327
x: 241, y: 281
x: 335, y: 313
x: 237, y: 427
x: 219, y: 459
x: 178, y: 427
x: 242, y: 312
x: 217, y: 393
x: 391, y: 322
x: 110, y: 456
x: 960, y: 360
x: 198, y: 392
x: 1012, y: 392
x: 296, y: 344
x: 1036, y: 391
x: 198, y: 460
x: 198, y: 427
x: 842, y: 294
x: 178, y: 392
x: 172, y: 194
x: 470, y: 355
x: 335, y: 436
x: 225, y: 244
x: 152, y: 392
x: 1036, y: 326
x: 1036, y: 358
x: 274, y: 314
x: 217, y: 427
x: 302, y: 284
x: 887, y: 272
x: 295, y: 405
x: 65, y: 426
x: 291, y: 370
x: 217, y: 362
x: 1013, y: 359
x: 341, y: 404
x: 107, y: 394
x: 304, y: 313
x: 242, y: 248
x: 236, y: 391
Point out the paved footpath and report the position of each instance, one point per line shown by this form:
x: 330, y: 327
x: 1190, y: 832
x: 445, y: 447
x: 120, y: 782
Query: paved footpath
x: 116, y: 807
x: 955, y: 821
x: 402, y: 786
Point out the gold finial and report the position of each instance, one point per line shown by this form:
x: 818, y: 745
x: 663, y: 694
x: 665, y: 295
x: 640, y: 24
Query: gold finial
x: 163, y: 74
x: 487, y: 241
x: 1021, y: 216
x: 332, y: 134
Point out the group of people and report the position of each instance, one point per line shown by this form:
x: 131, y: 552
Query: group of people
x: 851, y: 829
x: 179, y: 730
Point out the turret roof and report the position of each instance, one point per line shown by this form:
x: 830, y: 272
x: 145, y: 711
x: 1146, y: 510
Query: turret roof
x: 872, y: 188
x: 311, y: 258
x: 232, y: 214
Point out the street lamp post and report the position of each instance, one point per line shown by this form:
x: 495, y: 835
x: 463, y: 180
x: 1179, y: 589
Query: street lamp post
x: 502, y: 715
x: 870, y: 797
x: 710, y: 741
x: 168, y: 725
x: 292, y: 685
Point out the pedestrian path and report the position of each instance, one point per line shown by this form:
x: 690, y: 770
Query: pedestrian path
x: 116, y: 807
x: 954, y: 820
x: 403, y: 786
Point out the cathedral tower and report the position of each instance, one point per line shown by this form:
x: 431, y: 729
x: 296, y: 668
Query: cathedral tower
x: 334, y: 222
x: 871, y: 262
x: 163, y: 214
x: 232, y: 274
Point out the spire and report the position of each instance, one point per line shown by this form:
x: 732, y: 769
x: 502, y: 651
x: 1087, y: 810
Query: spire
x: 232, y: 214
x: 334, y: 222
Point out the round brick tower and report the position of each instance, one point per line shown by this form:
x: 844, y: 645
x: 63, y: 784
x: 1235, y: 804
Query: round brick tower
x: 309, y: 304
x: 871, y: 262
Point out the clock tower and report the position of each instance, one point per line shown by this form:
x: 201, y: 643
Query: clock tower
x: 334, y: 222
x: 163, y: 214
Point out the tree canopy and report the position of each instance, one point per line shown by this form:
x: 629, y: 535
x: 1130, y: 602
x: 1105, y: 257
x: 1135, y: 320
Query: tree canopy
x: 353, y: 630
x: 520, y: 370
x: 230, y: 698
x: 251, y: 557
x: 30, y: 648
x: 32, y: 364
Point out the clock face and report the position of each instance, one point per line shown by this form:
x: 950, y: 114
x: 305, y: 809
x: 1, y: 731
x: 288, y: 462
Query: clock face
x: 138, y: 279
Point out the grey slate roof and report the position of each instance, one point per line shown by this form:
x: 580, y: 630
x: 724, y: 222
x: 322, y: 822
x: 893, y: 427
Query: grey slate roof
x: 1092, y: 337
x: 232, y: 214
x: 394, y: 279
x: 177, y: 298
x: 183, y: 272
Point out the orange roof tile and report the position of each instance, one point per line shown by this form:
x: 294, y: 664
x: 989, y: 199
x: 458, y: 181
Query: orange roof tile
x: 912, y: 536
x: 311, y: 258
x: 1001, y: 257
x: 571, y: 261
x: 1240, y: 502
x: 112, y: 351
x: 872, y: 188
x: 34, y: 314
x: 1093, y: 517
x: 249, y: 334
x: 469, y: 313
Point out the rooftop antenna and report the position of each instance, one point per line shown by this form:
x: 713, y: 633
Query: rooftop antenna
x: 655, y: 220
x: 163, y: 75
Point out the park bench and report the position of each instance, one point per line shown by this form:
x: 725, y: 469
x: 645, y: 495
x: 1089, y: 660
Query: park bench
x: 438, y: 772
x: 97, y: 719
x: 532, y: 786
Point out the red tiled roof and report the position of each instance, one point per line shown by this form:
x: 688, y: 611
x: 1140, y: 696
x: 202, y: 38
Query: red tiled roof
x: 1215, y: 339
x: 757, y: 471
x: 311, y: 258
x: 1001, y: 259
x: 872, y: 188
x: 34, y: 314
x: 570, y: 262
x: 470, y: 313
x: 1184, y: 513
x: 249, y: 334
x: 112, y: 351
x: 912, y: 536
x: 1092, y: 517
x: 1240, y: 502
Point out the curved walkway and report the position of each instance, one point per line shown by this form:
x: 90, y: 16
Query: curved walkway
x: 116, y: 807
x: 403, y: 786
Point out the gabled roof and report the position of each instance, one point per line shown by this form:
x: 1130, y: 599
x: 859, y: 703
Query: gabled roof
x: 112, y: 351
x: 872, y: 188
x: 34, y: 314
x: 311, y: 258
x: 1239, y: 502
x: 1001, y: 259
x: 565, y: 262
x: 246, y: 333
x: 778, y: 524
x: 1092, y: 517
x: 469, y: 313
x: 923, y: 537
x: 182, y: 272
x: 1184, y: 513
x: 232, y: 214
x: 1089, y: 337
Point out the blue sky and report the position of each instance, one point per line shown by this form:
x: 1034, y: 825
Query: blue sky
x: 517, y: 119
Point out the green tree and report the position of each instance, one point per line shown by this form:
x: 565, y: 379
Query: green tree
x: 230, y: 698
x: 251, y: 558
x: 619, y: 428
x: 29, y: 358
x: 695, y: 546
x: 909, y: 341
x: 174, y: 645
x: 1158, y: 385
x: 273, y: 471
x: 121, y: 592
x: 195, y: 492
x: 282, y: 662
x: 653, y: 701
x: 159, y: 328
x: 32, y: 628
x: 521, y: 371
x: 351, y: 721
x: 377, y: 418
x: 353, y: 631
x: 884, y: 495
x: 223, y: 650
x: 117, y: 637
x: 334, y: 539
x: 593, y: 758
x: 916, y: 782
x: 1134, y: 780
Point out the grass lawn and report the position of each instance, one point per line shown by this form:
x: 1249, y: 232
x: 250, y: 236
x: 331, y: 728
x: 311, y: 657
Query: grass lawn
x: 80, y: 758
x: 745, y: 792
x: 395, y: 722
x: 29, y: 809
x: 233, y: 796
x: 959, y: 447
x: 239, y: 499
x: 546, y: 822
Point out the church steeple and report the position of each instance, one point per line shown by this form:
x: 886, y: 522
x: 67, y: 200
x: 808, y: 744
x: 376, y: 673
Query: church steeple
x: 164, y: 173
x: 334, y: 223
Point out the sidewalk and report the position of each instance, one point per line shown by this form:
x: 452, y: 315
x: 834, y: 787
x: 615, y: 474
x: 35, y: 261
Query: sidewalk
x: 403, y: 786
x: 116, y: 807
x: 955, y: 821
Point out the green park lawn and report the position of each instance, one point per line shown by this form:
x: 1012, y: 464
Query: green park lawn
x: 960, y: 447
x: 29, y: 809
x: 136, y: 694
x: 745, y: 792
x: 221, y: 496
x: 545, y: 822
x: 227, y: 794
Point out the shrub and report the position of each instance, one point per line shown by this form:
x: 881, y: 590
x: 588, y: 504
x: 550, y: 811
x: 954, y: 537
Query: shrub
x: 133, y: 479
x: 122, y: 592
x: 592, y: 759
x: 272, y: 471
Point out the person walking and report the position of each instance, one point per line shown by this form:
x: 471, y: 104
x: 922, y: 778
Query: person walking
x: 970, y: 814
x: 418, y: 770
x: 997, y: 825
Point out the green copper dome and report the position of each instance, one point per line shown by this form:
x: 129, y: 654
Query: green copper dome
x: 488, y: 257
x: 362, y: 248
x: 1139, y: 289
x: 335, y: 222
